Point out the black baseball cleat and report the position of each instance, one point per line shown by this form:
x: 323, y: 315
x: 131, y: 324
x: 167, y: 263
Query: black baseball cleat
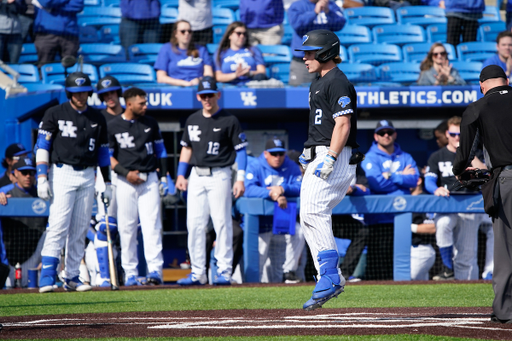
x: 445, y: 275
x: 290, y: 278
x: 1, y: 327
x: 494, y: 319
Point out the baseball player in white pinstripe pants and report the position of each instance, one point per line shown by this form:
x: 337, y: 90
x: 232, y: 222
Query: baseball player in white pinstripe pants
x: 326, y: 158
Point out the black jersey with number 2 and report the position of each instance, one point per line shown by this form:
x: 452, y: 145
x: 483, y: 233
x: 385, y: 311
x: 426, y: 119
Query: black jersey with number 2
x: 331, y: 96
x: 214, y: 140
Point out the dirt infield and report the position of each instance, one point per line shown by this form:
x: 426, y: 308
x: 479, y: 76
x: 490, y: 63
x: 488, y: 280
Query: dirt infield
x: 460, y: 322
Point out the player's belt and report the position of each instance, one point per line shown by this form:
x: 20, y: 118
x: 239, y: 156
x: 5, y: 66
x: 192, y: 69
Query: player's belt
x: 77, y: 168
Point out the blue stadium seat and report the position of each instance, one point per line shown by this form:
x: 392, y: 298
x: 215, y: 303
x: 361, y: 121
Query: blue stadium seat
x: 237, y: 15
x: 354, y: 34
x: 218, y: 32
x: 415, y: 53
x: 112, y: 3
x: 469, y: 71
x: 98, y: 22
x: 489, y: 31
x: 28, y: 54
x: 436, y: 33
x: 476, y: 51
x: 275, y: 53
x: 88, y: 34
x: 28, y: 73
x: 491, y: 14
x: 92, y: 3
x: 38, y: 87
x: 170, y: 3
x: 231, y: 4
x: 99, y: 16
x: 420, y: 15
x: 343, y: 53
x: 375, y: 54
x: 398, y: 34
x: 212, y: 48
x: 53, y: 73
x: 357, y: 73
x: 280, y: 71
x: 222, y: 16
x: 288, y: 34
x: 404, y: 73
x: 102, y: 53
x: 370, y: 16
x: 168, y: 15
x: 129, y: 73
x: 109, y: 34
x: 144, y: 53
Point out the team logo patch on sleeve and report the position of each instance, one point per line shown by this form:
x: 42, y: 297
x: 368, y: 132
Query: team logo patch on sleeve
x: 344, y: 101
x: 242, y: 137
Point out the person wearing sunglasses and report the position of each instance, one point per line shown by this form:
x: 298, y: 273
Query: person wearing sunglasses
x: 23, y: 237
x: 236, y: 62
x: 437, y: 70
x: 275, y: 177
x: 390, y: 171
x: 181, y: 62
x: 456, y: 234
x: 212, y: 142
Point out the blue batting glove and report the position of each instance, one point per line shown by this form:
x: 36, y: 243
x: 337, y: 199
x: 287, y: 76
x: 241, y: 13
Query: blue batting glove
x: 325, y: 168
x: 163, y: 187
x: 172, y: 186
x: 303, y: 162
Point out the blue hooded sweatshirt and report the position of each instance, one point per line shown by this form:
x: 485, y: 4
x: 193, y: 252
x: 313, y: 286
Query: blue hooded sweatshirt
x: 58, y: 17
x: 140, y: 9
x: 376, y: 163
x: 302, y: 17
x: 464, y: 6
x: 261, y: 13
x: 259, y: 175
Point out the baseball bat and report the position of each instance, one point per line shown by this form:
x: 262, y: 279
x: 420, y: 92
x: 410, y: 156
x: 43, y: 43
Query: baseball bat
x: 114, y: 284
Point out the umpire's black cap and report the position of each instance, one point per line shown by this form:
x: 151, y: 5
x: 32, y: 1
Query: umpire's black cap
x: 492, y: 71
x: 207, y: 85
x: 24, y: 163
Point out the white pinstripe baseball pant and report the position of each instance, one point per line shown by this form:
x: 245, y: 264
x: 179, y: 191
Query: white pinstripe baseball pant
x: 423, y: 258
x: 70, y: 213
x: 142, y: 202
x: 318, y: 197
x: 210, y: 196
x: 461, y: 231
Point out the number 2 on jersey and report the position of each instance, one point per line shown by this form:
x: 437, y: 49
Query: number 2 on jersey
x: 213, y: 148
x: 318, y: 116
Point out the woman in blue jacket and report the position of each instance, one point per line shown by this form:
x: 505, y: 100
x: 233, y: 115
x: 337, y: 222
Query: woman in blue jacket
x: 181, y: 62
x: 462, y: 18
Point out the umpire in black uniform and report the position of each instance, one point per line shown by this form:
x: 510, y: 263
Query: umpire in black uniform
x: 490, y: 118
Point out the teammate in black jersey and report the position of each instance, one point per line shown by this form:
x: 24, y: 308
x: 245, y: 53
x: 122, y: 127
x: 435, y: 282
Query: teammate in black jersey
x: 328, y: 174
x: 212, y: 140
x: 137, y: 150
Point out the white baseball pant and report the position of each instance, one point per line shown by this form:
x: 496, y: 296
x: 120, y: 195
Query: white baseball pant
x: 318, y: 198
x: 70, y: 214
x: 134, y: 201
x: 210, y: 196
x: 423, y: 258
x: 460, y: 230
x: 486, y: 228
x: 31, y: 263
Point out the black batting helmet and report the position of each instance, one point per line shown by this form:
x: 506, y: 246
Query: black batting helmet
x: 325, y: 42
x: 108, y: 83
x: 78, y: 82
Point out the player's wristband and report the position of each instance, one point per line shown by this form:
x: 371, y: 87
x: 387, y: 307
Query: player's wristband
x: 183, y: 169
x: 42, y: 169
x: 240, y: 175
x: 121, y: 170
x: 332, y: 151
x: 414, y: 228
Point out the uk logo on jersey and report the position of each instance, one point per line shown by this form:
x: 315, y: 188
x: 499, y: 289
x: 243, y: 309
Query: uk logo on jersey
x: 125, y: 140
x: 446, y: 169
x: 344, y: 101
x: 67, y: 128
x: 193, y: 133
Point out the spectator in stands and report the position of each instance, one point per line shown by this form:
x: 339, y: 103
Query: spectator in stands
x: 353, y: 227
x: 456, y: 234
x: 236, y: 62
x: 437, y: 70
x: 140, y: 22
x: 275, y: 177
x: 462, y: 18
x: 440, y: 133
x: 27, y: 22
x: 423, y: 255
x: 390, y: 171
x: 10, y: 29
x: 12, y: 155
x: 23, y: 237
x: 305, y: 16
x: 181, y: 62
x: 503, y: 56
x: 264, y: 21
x: 56, y: 29
x: 199, y: 14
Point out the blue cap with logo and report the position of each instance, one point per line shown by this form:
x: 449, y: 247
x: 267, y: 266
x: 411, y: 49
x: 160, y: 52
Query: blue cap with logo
x: 275, y: 145
x: 384, y: 124
x: 24, y: 163
x: 207, y: 85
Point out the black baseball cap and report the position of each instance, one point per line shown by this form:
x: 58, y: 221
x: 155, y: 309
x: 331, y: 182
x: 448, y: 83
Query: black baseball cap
x: 24, y: 163
x: 15, y: 149
x: 492, y: 71
x: 275, y: 145
x: 384, y: 124
x: 207, y: 85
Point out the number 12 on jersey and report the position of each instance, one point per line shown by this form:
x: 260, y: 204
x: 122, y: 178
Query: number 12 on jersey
x: 213, y: 148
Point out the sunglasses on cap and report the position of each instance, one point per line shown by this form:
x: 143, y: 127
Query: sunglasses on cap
x: 277, y: 153
x: 26, y: 172
x: 453, y: 134
x: 384, y: 132
x: 204, y: 96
